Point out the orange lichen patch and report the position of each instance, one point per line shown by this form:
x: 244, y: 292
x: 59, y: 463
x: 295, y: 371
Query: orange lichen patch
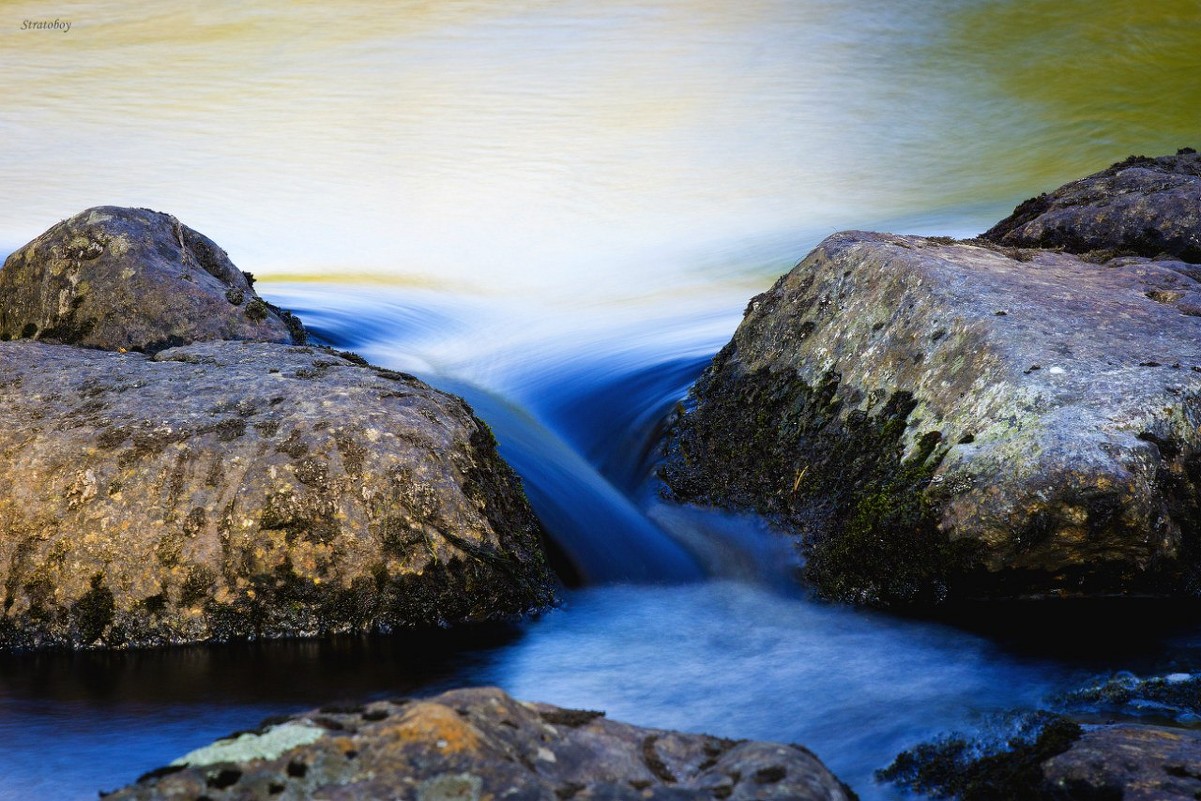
x: 345, y: 745
x: 437, y: 726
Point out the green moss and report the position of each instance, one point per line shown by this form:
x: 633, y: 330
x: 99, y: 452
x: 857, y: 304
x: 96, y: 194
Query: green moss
x: 971, y: 770
x: 767, y: 441
x: 353, y: 357
x: 256, y: 310
x: 295, y: 327
x: 283, y: 603
x: 307, y: 517
x: 227, y: 430
x: 1177, y: 697
x: 169, y: 549
x: 889, y: 549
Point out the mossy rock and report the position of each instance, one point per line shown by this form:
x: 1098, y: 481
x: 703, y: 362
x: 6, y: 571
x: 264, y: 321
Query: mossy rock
x: 937, y: 421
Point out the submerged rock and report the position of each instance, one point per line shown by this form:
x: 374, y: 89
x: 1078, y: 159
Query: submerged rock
x: 1175, y: 698
x: 1056, y: 759
x: 1141, y: 206
x: 477, y: 744
x: 132, y: 279
x: 936, y: 419
x: 233, y: 489
x: 985, y: 769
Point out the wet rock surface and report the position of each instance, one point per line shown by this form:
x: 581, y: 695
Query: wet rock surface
x: 1128, y: 762
x: 233, y: 489
x: 1141, y: 206
x: 132, y: 279
x: 936, y: 419
x: 478, y: 744
x: 1053, y: 758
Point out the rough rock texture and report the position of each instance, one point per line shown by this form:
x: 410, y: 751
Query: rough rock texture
x: 235, y: 489
x: 1128, y: 763
x: 475, y: 744
x: 941, y: 419
x: 132, y: 279
x: 1141, y: 206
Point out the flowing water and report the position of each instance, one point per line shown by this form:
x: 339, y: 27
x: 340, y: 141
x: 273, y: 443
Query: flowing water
x: 559, y: 210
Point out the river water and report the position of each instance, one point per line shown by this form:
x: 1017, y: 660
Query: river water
x: 559, y: 210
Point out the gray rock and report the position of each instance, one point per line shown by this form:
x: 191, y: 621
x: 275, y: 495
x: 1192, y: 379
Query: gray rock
x: 481, y: 743
x: 132, y: 279
x: 935, y: 419
x: 233, y: 489
x: 1141, y: 206
x: 1129, y: 762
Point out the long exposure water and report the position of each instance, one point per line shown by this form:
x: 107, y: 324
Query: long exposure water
x: 559, y: 210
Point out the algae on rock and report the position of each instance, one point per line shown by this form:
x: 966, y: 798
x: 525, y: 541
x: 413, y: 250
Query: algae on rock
x: 936, y: 419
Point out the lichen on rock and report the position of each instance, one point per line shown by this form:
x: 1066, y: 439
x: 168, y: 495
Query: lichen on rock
x: 133, y: 279
x: 231, y: 489
x: 480, y: 743
x: 183, y: 474
x: 936, y: 419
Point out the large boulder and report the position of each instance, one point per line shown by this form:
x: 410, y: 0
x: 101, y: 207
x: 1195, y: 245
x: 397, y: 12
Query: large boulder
x: 1141, y: 206
x: 232, y: 489
x: 939, y: 419
x: 477, y: 744
x: 132, y: 279
x: 227, y: 489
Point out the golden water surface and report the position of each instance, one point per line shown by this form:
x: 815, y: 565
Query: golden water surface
x: 575, y: 144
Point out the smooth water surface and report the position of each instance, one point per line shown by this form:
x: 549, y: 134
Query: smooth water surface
x: 559, y: 210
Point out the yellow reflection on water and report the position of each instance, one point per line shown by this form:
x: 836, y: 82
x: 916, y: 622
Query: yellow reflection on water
x: 1090, y: 82
x: 523, y: 145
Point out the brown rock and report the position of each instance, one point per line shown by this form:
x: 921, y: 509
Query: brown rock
x: 1141, y: 206
x: 232, y: 489
x: 476, y: 744
x: 132, y: 279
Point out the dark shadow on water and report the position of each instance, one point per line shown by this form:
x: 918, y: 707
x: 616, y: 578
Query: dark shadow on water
x: 1130, y: 632
x: 277, y: 672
